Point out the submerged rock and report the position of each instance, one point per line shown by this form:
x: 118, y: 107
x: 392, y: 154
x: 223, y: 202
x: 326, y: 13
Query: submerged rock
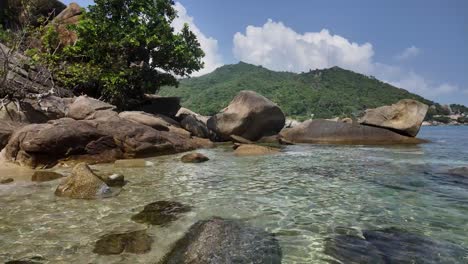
x: 6, y: 180
x: 224, y: 241
x: 130, y: 163
x: 43, y: 176
x: 161, y: 213
x: 194, y: 158
x: 136, y: 242
x: 29, y: 260
x: 393, y: 246
x: 84, y: 184
x: 462, y: 171
x: 254, y: 150
x: 114, y: 180
x: 250, y: 116
x: 405, y: 117
x: 324, y: 131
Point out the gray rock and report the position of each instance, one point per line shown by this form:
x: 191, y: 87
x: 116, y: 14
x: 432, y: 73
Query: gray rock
x: 6, y: 180
x: 250, y: 116
x: 84, y: 106
x: 218, y: 240
x: 330, y: 132
x: 462, y: 171
x: 196, y: 127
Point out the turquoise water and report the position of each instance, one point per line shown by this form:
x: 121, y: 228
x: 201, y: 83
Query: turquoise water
x: 305, y: 194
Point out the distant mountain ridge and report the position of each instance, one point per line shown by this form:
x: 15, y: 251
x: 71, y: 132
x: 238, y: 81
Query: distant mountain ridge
x: 327, y: 93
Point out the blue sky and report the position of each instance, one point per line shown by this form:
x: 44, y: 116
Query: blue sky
x: 418, y: 45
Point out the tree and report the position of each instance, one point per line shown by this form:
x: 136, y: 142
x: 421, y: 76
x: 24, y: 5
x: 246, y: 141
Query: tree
x: 126, y: 48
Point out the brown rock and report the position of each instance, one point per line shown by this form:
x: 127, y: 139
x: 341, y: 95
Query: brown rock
x: 84, y: 106
x: 254, y: 150
x: 250, y: 116
x: 158, y: 122
x: 239, y: 139
x: 6, y: 129
x: 5, y: 180
x: 43, y: 176
x: 323, y: 131
x: 196, y: 127
x: 136, y: 242
x: 194, y: 158
x: 84, y: 184
x: 404, y: 117
x: 25, y: 114
x: 69, y: 16
x: 130, y: 163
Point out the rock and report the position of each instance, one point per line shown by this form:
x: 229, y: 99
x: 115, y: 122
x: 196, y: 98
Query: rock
x: 158, y: 122
x: 194, y: 158
x: 6, y: 129
x: 196, y: 127
x: 43, y: 176
x: 69, y: 16
x: 254, y: 150
x: 26, y: 113
x: 114, y: 180
x: 28, y: 260
x: 161, y: 213
x: 20, y: 15
x: 84, y: 106
x: 405, y: 117
x: 462, y: 171
x: 224, y: 241
x: 347, y: 120
x: 136, y: 242
x: 291, y: 123
x: 330, y: 132
x: 250, y: 116
x: 53, y: 107
x: 238, y: 139
x: 6, y: 180
x: 184, y: 112
x: 130, y: 163
x: 393, y: 246
x: 84, y: 184
x: 270, y: 140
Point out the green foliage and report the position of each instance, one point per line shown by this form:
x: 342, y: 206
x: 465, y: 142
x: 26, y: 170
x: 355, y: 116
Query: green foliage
x: 328, y: 93
x: 125, y: 48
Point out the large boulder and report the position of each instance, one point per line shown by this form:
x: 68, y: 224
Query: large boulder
x: 158, y: 122
x: 254, y: 150
x: 22, y: 112
x: 84, y: 107
x: 250, y: 116
x: 136, y: 242
x: 225, y: 241
x: 393, y: 246
x: 84, y: 184
x: 324, y: 131
x: 98, y: 140
x: 405, y: 117
x: 196, y: 127
x: 161, y: 213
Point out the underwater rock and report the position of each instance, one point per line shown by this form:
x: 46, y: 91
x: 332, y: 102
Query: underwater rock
x: 6, y: 180
x: 194, y: 158
x: 161, y: 213
x: 393, y: 246
x: 43, y: 176
x: 130, y: 163
x: 219, y: 240
x: 462, y: 171
x: 136, y: 242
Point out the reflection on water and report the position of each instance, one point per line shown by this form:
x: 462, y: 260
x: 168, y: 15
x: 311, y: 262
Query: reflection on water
x: 305, y: 194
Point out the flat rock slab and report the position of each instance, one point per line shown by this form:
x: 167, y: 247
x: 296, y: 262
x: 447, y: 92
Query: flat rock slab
x: 44, y: 176
x: 130, y: 163
x: 219, y: 240
x: 393, y: 246
x: 161, y: 213
x: 136, y: 242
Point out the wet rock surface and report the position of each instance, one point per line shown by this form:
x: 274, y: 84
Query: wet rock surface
x: 194, y: 158
x: 219, y: 240
x: 161, y: 213
x: 393, y: 246
x: 84, y: 184
x: 6, y: 180
x: 461, y: 171
x: 254, y: 150
x: 44, y: 176
x: 136, y: 242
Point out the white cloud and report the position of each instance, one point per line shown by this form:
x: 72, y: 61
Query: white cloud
x: 278, y: 47
x: 408, y: 53
x: 209, y: 45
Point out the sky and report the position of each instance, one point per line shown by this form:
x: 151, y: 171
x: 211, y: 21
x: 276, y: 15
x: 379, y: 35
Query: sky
x: 418, y: 45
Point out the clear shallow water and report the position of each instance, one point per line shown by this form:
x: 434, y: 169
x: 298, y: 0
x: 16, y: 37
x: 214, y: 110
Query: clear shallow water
x: 305, y: 195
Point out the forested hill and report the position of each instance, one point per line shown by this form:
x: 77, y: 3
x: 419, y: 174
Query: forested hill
x: 324, y: 93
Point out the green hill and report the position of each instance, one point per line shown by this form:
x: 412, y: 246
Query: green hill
x: 324, y: 93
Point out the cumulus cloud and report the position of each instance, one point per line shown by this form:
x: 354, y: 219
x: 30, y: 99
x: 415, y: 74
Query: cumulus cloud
x: 408, y: 53
x: 209, y: 45
x: 278, y: 47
